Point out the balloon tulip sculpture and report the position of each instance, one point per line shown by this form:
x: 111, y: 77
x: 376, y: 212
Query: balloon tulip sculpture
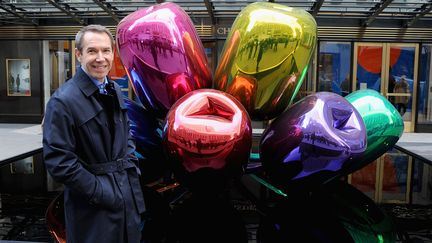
x: 384, y: 125
x: 314, y: 140
x: 266, y: 56
x: 207, y: 133
x: 162, y: 55
x: 147, y: 133
x: 208, y: 137
x: 144, y: 128
x: 338, y: 212
x: 55, y: 219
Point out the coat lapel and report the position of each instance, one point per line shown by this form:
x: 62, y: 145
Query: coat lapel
x: 87, y: 87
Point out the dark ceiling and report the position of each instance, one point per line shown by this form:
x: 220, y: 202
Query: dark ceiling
x: 400, y: 13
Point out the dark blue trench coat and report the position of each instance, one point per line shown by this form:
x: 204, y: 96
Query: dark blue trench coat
x: 103, y: 197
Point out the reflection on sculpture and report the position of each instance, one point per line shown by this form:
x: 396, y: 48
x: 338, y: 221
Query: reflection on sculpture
x: 207, y: 130
x: 384, y: 125
x: 317, y: 137
x: 158, y: 45
x: 268, y: 48
x: 207, y: 138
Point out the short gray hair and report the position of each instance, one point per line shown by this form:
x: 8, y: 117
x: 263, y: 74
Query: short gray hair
x: 91, y: 28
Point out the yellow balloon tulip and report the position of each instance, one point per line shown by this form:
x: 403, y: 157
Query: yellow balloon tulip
x: 266, y: 56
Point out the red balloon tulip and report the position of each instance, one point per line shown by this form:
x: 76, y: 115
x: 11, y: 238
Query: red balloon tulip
x: 55, y: 219
x: 208, y: 136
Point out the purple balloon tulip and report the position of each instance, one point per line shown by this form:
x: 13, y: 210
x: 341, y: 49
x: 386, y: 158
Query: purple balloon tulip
x: 162, y: 55
x: 316, y: 137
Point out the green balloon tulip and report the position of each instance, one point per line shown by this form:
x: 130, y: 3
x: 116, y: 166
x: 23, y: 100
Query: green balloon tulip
x: 384, y: 125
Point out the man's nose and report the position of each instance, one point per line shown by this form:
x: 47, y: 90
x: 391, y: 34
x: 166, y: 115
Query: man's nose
x: 99, y: 55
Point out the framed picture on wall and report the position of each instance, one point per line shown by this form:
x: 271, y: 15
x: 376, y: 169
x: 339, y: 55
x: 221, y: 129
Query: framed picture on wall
x: 18, y: 77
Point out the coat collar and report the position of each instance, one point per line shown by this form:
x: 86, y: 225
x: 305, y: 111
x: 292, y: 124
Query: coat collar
x: 85, y: 83
x: 89, y: 88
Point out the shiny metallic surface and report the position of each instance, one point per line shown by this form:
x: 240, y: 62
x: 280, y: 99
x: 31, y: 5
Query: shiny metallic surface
x: 162, y: 55
x: 55, y: 219
x: 145, y: 129
x: 384, y: 125
x: 322, y: 132
x: 208, y: 129
x: 337, y: 212
x: 264, y: 57
x: 365, y: 220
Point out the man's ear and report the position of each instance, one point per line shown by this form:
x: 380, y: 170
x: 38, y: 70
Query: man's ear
x: 78, y: 55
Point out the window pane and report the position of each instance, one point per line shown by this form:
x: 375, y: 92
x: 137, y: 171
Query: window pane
x: 59, y: 55
x: 425, y: 90
x: 334, y: 67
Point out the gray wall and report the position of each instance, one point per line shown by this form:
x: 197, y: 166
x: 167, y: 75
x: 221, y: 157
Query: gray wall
x: 22, y: 109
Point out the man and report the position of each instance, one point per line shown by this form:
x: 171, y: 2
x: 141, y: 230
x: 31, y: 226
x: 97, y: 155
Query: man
x: 401, y: 87
x: 88, y: 147
x: 17, y: 81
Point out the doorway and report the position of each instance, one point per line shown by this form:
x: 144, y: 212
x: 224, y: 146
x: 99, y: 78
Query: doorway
x: 391, y: 69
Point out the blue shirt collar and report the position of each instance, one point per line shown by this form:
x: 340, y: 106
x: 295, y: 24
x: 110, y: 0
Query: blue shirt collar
x: 95, y: 81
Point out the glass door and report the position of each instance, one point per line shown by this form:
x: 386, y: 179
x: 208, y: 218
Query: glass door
x: 368, y: 66
x: 57, y: 56
x: 424, y: 101
x: 391, y: 69
x: 403, y: 59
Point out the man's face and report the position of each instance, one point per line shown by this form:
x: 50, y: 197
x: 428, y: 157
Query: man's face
x: 97, y: 55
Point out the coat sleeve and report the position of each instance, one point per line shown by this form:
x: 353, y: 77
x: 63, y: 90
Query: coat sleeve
x: 58, y: 150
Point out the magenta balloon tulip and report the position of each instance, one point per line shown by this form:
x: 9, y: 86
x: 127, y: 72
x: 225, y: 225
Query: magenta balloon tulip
x: 316, y: 137
x: 162, y: 55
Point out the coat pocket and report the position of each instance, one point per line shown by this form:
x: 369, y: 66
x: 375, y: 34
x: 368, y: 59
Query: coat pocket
x: 107, y: 193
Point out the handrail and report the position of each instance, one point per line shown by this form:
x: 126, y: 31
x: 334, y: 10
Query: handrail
x: 417, y: 156
x: 20, y: 156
